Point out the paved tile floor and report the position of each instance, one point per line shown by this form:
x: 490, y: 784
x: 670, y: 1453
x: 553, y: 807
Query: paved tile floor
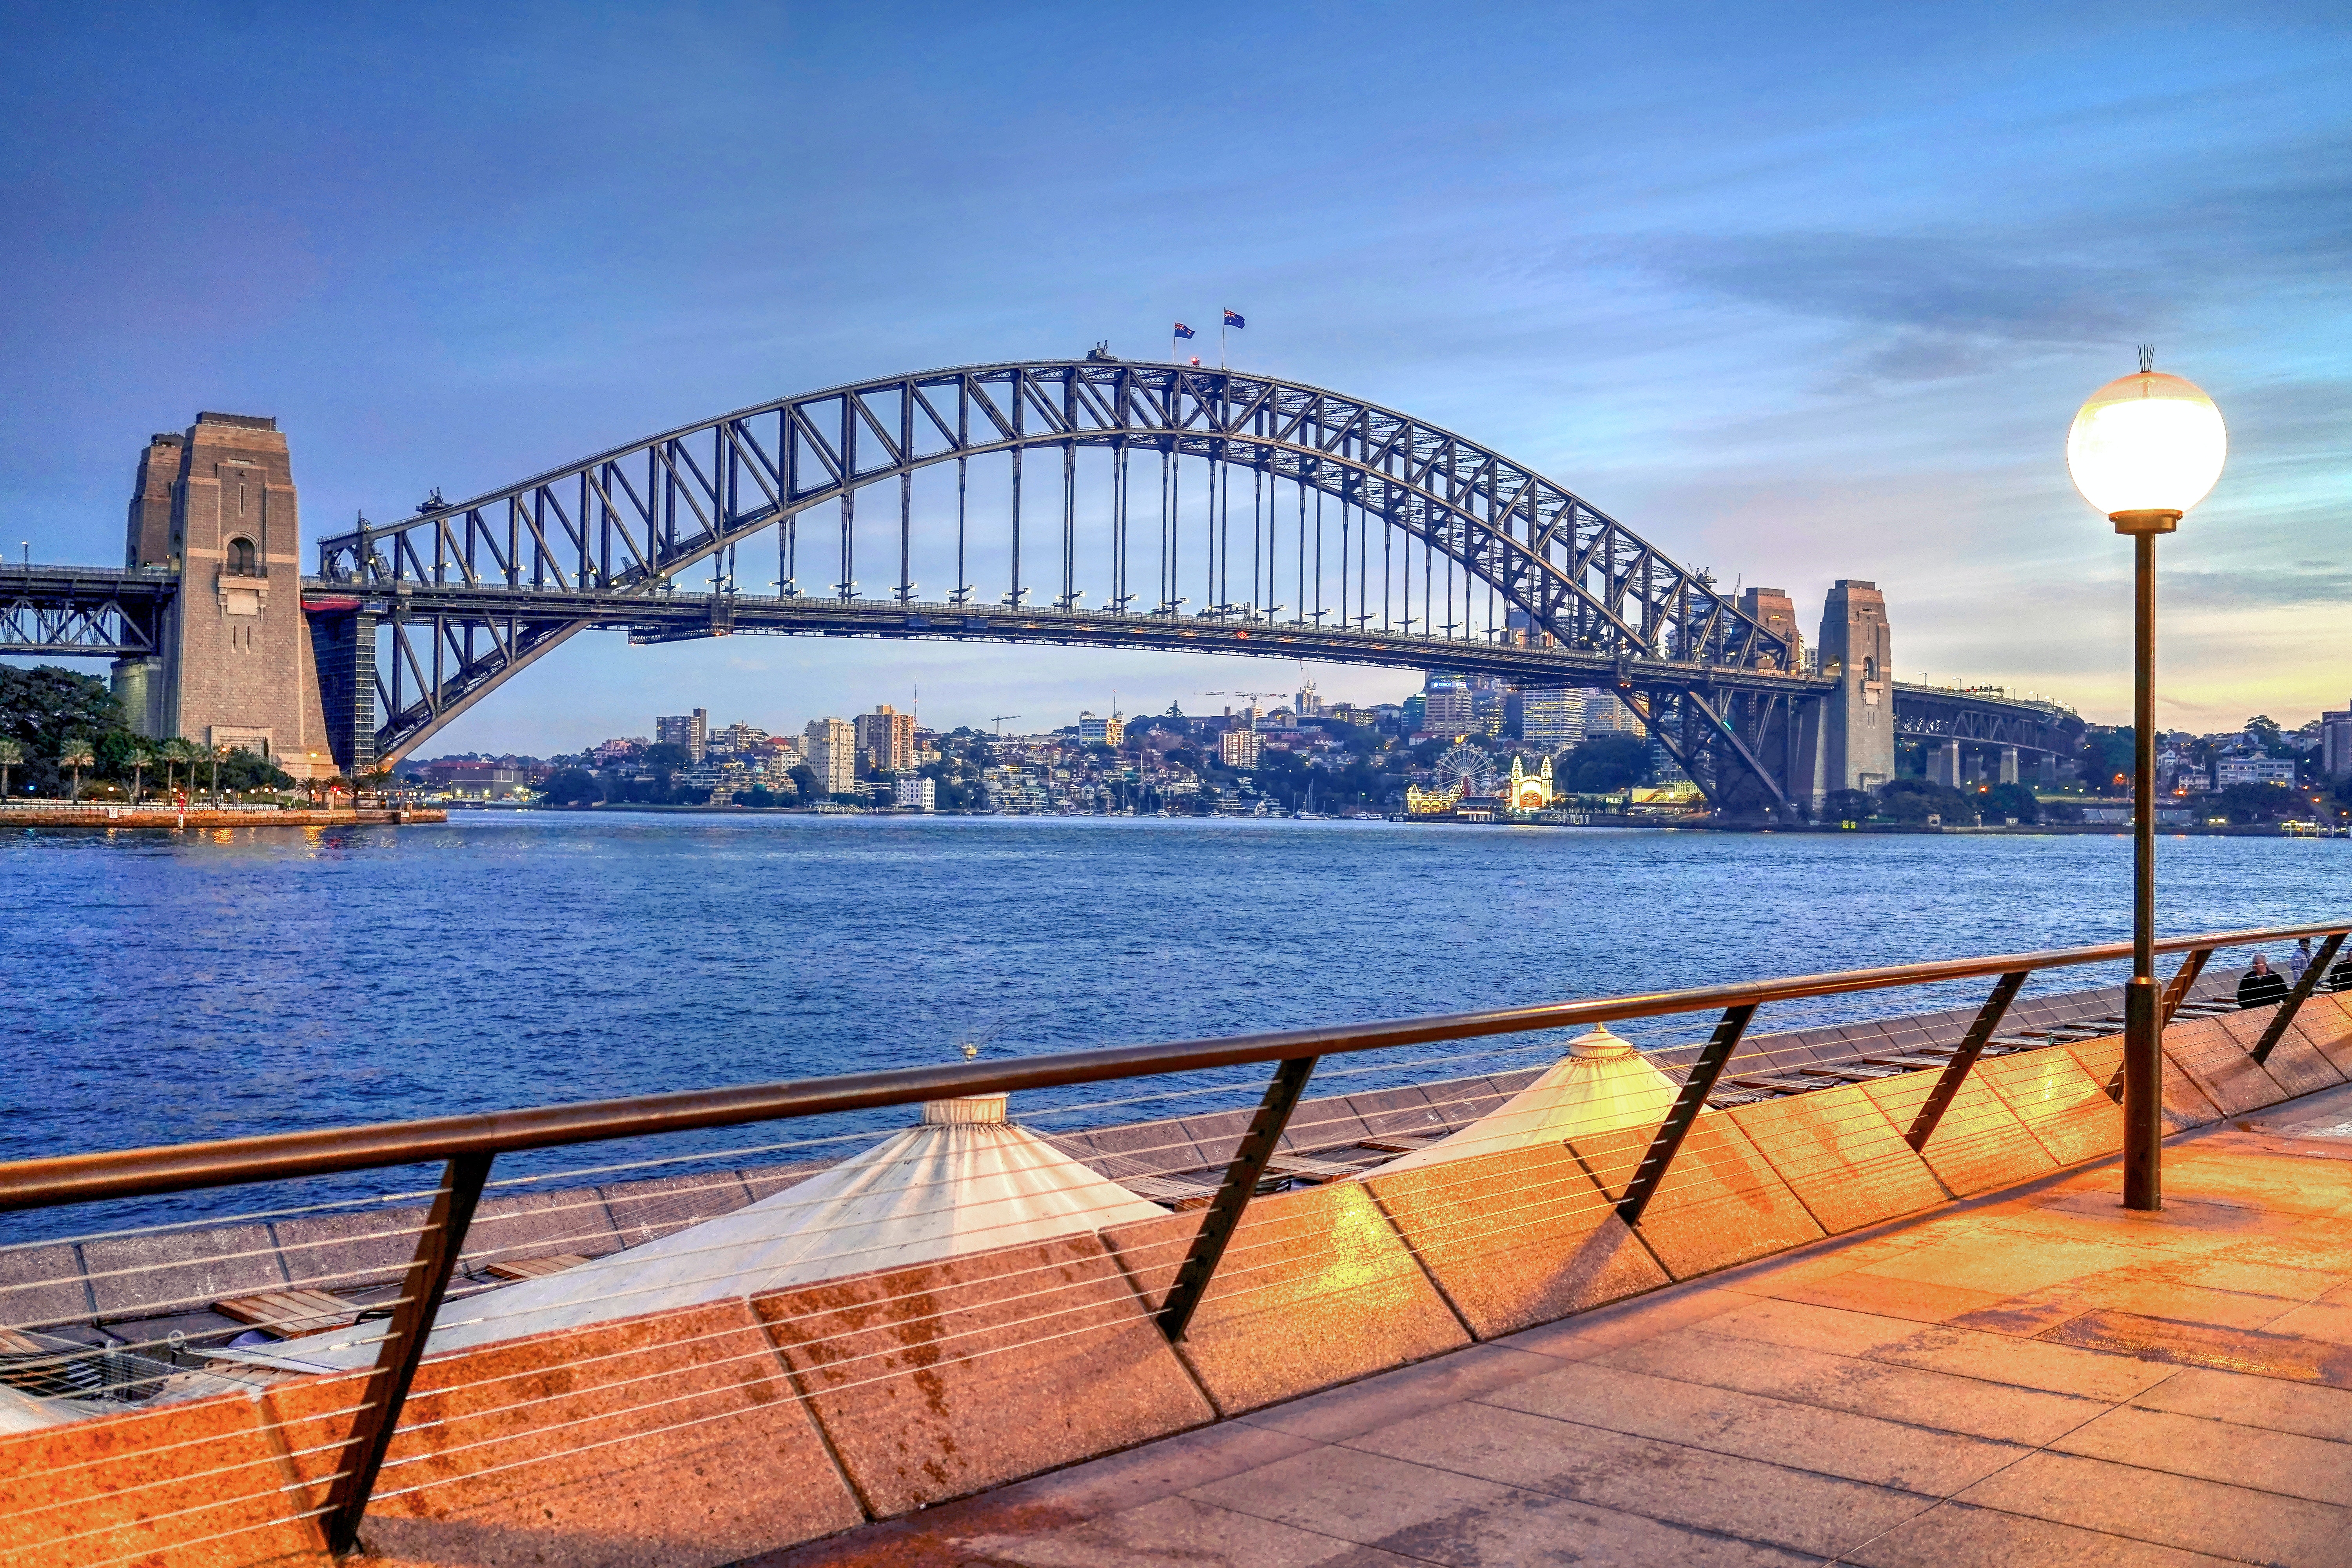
x: 2033, y: 1377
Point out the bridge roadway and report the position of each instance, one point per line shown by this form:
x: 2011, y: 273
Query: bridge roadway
x: 679, y: 617
x: 2033, y: 1377
x: 85, y: 611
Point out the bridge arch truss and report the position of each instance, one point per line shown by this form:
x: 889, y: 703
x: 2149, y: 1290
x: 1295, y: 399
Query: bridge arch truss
x: 1440, y: 529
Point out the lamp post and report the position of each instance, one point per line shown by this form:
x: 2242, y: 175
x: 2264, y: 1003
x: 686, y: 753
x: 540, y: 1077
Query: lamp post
x: 2144, y: 450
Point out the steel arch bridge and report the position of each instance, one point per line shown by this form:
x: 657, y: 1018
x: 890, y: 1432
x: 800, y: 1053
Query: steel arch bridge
x: 1939, y: 713
x: 1369, y: 535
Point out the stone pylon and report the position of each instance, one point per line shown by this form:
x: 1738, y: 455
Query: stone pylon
x: 1857, y: 719
x: 236, y: 667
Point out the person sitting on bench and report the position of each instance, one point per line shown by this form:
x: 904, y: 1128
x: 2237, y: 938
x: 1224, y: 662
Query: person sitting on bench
x: 2261, y: 987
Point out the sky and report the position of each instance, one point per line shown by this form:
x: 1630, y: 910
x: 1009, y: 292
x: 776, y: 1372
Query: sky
x: 1796, y: 292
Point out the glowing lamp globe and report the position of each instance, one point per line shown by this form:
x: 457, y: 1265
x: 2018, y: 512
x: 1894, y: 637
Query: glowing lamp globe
x: 2147, y: 443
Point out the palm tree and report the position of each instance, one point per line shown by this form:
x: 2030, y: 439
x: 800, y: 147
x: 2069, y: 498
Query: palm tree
x: 218, y: 754
x: 76, y: 754
x: 140, y: 758
x: 12, y: 755
x: 175, y: 752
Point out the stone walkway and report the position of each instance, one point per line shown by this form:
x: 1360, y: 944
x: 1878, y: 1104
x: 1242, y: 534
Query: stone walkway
x: 2033, y: 1377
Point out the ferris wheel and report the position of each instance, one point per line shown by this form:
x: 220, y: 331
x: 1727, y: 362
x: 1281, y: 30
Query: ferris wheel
x: 1474, y: 768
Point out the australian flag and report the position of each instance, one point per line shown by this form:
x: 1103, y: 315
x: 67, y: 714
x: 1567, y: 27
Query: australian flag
x: 1182, y: 331
x: 1233, y: 318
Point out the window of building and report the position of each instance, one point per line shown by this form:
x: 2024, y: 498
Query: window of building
x: 242, y: 560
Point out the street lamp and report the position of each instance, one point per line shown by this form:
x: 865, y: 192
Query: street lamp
x: 2144, y: 450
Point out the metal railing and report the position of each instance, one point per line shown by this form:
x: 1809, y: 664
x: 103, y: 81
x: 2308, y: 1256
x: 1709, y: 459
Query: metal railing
x: 467, y: 1146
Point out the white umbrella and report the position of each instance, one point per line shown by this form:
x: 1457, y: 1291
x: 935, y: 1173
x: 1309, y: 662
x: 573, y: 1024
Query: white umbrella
x: 964, y: 1180
x: 1602, y: 1085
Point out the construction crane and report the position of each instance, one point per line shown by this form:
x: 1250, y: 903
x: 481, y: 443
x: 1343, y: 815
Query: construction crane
x: 999, y: 723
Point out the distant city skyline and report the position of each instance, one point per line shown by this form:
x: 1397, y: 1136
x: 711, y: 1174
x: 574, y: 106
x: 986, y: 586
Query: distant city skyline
x: 1797, y: 296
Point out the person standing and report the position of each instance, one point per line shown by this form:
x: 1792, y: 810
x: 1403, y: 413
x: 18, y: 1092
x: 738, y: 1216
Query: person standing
x: 2261, y: 987
x: 2298, y: 960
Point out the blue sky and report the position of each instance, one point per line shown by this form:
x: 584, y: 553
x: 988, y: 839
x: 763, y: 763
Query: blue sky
x: 1798, y: 292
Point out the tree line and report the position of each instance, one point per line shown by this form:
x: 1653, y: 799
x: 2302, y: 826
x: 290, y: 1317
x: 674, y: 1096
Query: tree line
x: 62, y: 735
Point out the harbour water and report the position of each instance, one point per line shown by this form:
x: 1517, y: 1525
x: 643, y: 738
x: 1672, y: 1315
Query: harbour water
x: 162, y: 988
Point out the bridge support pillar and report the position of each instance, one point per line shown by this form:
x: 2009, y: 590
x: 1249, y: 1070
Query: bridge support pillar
x: 237, y: 669
x: 2045, y: 770
x: 139, y: 687
x: 342, y: 639
x: 1857, y: 718
x: 2009, y: 764
x: 1947, y: 765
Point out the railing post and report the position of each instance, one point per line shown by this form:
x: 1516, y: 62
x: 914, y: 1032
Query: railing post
x: 403, y: 1347
x: 1956, y: 1071
x: 1224, y: 1214
x: 2294, y: 998
x: 1704, y: 1074
x: 2176, y: 991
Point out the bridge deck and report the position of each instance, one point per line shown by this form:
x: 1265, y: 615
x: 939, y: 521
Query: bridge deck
x: 2033, y: 1377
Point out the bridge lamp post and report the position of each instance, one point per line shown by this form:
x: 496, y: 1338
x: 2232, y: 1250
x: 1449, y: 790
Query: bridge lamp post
x: 2144, y: 450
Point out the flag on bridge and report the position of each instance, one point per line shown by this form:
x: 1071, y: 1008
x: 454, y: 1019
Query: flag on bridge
x: 1233, y: 318
x: 1182, y: 331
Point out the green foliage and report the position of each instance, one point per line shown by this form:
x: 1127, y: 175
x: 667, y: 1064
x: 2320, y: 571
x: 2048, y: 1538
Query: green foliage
x: 2060, y: 811
x: 1849, y: 805
x: 45, y: 705
x: 804, y: 780
x: 2247, y: 803
x: 2106, y: 758
x: 572, y: 786
x: 1915, y: 800
x: 2006, y: 800
x: 1602, y: 764
x: 242, y: 770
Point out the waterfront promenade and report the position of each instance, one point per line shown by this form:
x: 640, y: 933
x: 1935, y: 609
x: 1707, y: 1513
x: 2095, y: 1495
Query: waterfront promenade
x: 2033, y: 1377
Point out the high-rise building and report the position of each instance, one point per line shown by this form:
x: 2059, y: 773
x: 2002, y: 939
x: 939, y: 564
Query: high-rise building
x: 1551, y: 717
x: 1490, y: 703
x: 1109, y: 731
x: 739, y: 739
x: 1521, y: 629
x: 1310, y: 702
x: 1772, y: 609
x: 1605, y: 713
x: 2335, y: 745
x: 1239, y: 748
x: 691, y: 731
x: 831, y: 748
x: 1448, y: 707
x: 887, y: 736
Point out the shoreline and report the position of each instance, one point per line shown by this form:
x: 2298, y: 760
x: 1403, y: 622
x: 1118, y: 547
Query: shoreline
x: 117, y: 817
x: 1610, y: 821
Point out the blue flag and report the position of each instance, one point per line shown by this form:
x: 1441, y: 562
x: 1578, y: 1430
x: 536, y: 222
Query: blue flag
x: 1182, y: 331
x: 1233, y: 319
